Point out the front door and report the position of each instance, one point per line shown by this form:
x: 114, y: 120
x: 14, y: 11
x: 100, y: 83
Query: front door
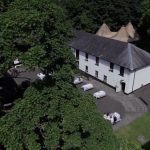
x: 123, y: 85
x: 105, y: 79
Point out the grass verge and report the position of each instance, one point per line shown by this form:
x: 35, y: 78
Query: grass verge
x: 140, y: 127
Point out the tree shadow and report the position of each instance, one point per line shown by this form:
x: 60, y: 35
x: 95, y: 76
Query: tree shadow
x: 146, y: 146
x: 8, y: 91
x: 2, y: 147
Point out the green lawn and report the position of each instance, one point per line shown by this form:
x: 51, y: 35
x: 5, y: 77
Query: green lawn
x: 140, y: 126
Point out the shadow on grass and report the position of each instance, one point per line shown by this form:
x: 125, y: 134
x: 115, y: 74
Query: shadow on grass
x: 146, y: 146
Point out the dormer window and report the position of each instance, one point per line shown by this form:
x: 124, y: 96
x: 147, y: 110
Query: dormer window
x: 86, y: 56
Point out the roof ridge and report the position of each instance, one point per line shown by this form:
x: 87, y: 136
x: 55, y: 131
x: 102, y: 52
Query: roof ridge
x: 140, y: 49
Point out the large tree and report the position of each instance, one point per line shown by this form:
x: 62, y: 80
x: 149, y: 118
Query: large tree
x: 52, y: 114
x: 89, y: 15
x: 36, y: 34
x: 145, y: 19
x: 50, y: 118
x: 4, y: 5
x: 144, y: 26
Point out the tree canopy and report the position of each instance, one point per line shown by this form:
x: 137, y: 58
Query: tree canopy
x: 89, y: 15
x: 4, y: 4
x: 145, y: 18
x: 34, y: 34
x: 49, y: 118
x: 51, y: 114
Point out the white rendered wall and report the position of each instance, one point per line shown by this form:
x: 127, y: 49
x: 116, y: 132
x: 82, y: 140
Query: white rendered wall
x: 113, y: 78
x: 133, y: 79
x: 142, y: 77
x: 129, y: 86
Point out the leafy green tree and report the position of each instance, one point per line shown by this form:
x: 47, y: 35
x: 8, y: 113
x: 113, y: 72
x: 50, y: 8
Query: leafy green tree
x: 51, y: 118
x: 35, y: 34
x: 145, y: 19
x: 114, y: 12
x: 4, y: 4
x: 79, y: 14
x: 51, y: 114
x: 143, y: 26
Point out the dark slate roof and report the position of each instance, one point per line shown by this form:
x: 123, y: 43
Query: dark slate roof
x: 121, y: 53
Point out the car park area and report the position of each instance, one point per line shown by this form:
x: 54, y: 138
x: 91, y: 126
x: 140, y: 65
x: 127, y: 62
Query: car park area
x: 129, y: 106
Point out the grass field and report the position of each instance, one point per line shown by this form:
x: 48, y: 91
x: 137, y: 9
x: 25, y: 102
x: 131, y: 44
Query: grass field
x: 140, y: 127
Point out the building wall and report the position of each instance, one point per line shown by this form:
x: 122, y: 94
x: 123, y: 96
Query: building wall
x: 132, y: 79
x: 141, y: 77
x: 113, y: 78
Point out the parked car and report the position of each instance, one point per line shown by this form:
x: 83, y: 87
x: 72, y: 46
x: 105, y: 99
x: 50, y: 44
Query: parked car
x: 78, y: 80
x: 99, y: 94
x: 87, y: 86
x: 112, y: 117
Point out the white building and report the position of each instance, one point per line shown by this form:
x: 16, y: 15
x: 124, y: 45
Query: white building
x: 120, y: 64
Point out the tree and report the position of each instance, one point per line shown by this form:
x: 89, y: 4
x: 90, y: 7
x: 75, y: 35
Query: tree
x: 114, y: 12
x: 51, y: 114
x: 51, y: 118
x: 143, y: 26
x: 145, y: 19
x: 35, y: 35
x: 4, y: 4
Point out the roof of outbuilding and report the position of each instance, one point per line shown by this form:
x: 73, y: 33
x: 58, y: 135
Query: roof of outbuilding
x: 122, y: 35
x: 125, y: 33
x: 121, y: 53
x: 130, y: 29
x: 104, y: 29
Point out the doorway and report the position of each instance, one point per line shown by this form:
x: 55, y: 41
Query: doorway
x: 105, y: 79
x: 123, y: 85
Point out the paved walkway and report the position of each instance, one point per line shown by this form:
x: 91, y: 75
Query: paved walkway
x: 144, y: 94
x: 129, y: 106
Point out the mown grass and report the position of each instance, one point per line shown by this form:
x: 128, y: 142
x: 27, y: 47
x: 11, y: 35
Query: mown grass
x: 140, y: 127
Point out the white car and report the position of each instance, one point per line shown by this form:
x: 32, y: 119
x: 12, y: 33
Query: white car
x: 41, y: 76
x: 99, y: 94
x: 87, y: 86
x: 113, y: 117
x: 78, y: 80
x: 16, y: 62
